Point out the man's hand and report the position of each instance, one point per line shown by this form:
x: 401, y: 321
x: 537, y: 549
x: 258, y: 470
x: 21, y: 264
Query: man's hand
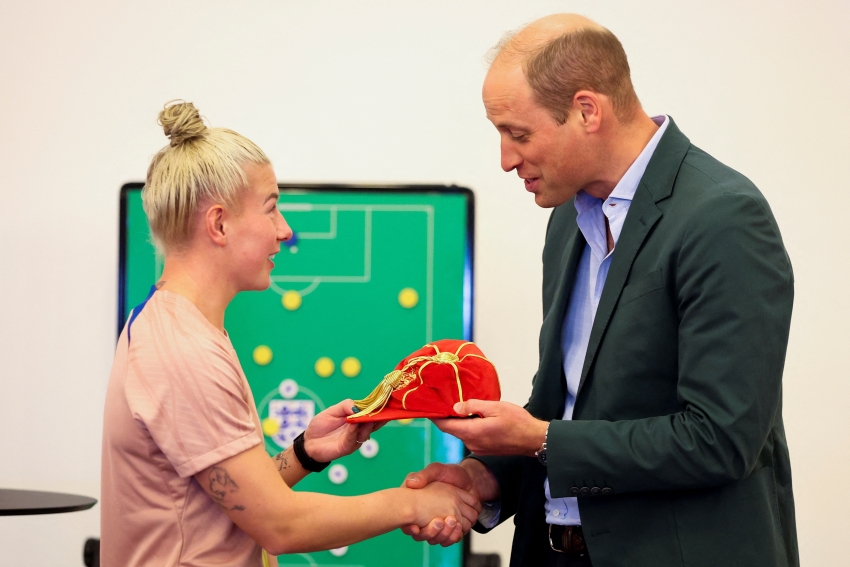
x: 471, y: 476
x: 503, y: 429
x: 330, y: 436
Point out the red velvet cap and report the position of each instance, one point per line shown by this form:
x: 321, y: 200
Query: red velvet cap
x: 429, y: 382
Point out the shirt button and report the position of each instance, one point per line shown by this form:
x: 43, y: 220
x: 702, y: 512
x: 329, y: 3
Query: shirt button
x: 556, y: 512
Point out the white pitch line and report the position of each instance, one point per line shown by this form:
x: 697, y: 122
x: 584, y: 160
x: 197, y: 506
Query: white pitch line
x: 314, y: 564
x: 367, y: 251
x: 261, y: 408
x: 329, y: 235
x: 306, y: 291
x: 367, y: 244
x: 303, y: 207
x: 309, y: 289
x: 367, y: 256
x: 358, y: 207
x: 429, y: 277
x: 426, y: 425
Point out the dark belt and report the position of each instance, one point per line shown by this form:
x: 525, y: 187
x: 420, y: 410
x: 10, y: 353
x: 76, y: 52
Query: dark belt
x: 568, y: 540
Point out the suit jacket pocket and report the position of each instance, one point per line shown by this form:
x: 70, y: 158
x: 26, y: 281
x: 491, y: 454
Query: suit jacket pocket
x: 645, y: 285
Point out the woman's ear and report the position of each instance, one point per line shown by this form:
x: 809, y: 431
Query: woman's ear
x: 214, y: 224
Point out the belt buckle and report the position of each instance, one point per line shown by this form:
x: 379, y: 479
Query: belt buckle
x: 568, y: 545
x: 552, y: 544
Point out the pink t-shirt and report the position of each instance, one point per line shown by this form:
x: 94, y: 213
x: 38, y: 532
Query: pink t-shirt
x: 177, y: 403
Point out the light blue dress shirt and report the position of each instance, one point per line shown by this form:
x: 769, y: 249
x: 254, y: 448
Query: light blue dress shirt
x: 589, y: 281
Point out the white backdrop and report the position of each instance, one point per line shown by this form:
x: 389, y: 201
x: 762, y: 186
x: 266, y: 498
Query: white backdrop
x: 372, y: 91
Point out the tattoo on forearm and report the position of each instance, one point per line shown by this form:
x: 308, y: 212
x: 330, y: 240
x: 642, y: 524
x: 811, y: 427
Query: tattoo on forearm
x: 282, y: 462
x: 223, y: 488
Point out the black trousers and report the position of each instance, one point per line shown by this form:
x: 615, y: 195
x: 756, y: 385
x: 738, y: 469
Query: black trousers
x: 555, y: 559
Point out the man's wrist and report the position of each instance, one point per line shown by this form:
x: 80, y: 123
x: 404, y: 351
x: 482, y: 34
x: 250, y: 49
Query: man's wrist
x: 484, y: 483
x: 542, y: 453
x: 538, y: 435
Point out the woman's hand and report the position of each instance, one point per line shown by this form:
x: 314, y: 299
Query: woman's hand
x: 448, y: 509
x: 471, y: 475
x: 331, y: 436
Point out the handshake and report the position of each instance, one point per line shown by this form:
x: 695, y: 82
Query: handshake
x: 451, y: 496
x: 425, y: 384
x: 502, y: 429
x: 440, y: 503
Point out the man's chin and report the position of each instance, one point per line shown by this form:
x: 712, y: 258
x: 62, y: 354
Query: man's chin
x: 551, y: 199
x: 545, y: 201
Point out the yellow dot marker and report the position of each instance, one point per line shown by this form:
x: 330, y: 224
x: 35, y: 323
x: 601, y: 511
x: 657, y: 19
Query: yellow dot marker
x: 408, y: 298
x: 291, y: 300
x: 262, y: 355
x: 406, y: 421
x: 324, y: 367
x: 270, y: 426
x: 350, y: 367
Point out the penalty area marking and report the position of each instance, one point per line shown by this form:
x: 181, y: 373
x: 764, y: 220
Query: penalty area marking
x: 366, y: 277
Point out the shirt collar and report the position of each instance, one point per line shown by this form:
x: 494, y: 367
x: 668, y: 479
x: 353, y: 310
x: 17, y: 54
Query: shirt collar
x: 628, y: 184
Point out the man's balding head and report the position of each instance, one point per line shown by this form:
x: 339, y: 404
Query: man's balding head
x: 517, y: 45
x: 563, y: 54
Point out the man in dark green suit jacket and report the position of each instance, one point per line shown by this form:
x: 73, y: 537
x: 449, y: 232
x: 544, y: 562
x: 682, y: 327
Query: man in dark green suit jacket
x: 675, y: 449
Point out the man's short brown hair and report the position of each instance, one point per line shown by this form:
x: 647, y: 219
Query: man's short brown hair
x: 585, y: 59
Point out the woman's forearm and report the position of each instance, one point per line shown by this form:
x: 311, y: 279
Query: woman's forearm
x: 316, y: 522
x: 289, y: 467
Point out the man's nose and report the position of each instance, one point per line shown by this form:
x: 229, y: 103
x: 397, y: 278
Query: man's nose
x: 510, y: 157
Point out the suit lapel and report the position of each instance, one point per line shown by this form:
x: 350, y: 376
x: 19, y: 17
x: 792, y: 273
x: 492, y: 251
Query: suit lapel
x: 548, y: 400
x: 573, y: 247
x: 656, y: 185
x: 643, y: 214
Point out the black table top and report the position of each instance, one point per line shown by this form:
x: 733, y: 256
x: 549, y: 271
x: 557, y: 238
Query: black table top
x: 25, y: 502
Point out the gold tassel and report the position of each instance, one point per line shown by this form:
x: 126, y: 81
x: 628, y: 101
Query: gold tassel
x: 379, y: 397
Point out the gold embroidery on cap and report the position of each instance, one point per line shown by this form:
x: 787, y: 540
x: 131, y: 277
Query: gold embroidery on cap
x: 399, y: 379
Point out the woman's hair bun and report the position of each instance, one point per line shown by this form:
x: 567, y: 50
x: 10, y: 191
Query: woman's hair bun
x: 181, y: 122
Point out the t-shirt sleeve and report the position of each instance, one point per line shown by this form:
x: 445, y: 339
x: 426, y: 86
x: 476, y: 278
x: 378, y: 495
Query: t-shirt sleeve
x: 187, y: 390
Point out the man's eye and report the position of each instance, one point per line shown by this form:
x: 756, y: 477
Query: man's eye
x: 520, y: 137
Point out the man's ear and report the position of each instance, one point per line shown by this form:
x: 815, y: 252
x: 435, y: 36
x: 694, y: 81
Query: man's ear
x: 587, y: 106
x: 214, y: 224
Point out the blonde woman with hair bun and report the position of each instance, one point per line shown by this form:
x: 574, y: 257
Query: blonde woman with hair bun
x: 185, y: 476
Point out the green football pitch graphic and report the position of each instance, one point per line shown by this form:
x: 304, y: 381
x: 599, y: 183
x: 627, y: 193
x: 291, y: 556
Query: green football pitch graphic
x: 370, y: 276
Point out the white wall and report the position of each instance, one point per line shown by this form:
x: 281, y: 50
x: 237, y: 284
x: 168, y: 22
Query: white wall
x: 371, y: 91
